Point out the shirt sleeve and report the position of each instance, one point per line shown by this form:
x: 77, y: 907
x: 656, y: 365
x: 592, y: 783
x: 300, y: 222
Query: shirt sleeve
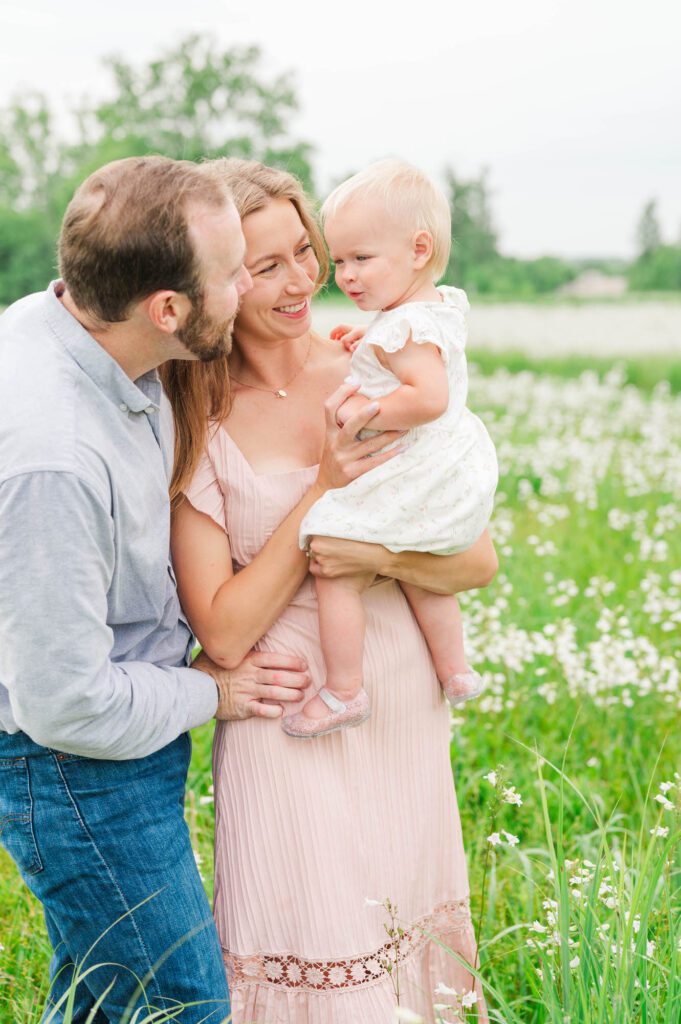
x: 58, y: 554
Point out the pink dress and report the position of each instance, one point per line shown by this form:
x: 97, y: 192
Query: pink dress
x: 307, y: 830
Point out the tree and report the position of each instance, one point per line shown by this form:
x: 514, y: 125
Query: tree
x: 195, y: 101
x: 648, y: 234
x: 474, y: 238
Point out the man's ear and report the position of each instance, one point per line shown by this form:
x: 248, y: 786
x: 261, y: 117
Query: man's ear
x: 167, y: 310
x: 422, y: 246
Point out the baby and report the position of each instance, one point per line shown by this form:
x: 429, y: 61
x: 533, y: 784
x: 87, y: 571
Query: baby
x: 389, y: 234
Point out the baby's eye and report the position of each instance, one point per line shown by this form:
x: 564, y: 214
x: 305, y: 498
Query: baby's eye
x: 362, y: 259
x: 338, y: 263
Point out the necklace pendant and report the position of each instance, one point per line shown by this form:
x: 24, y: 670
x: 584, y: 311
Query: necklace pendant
x: 281, y: 393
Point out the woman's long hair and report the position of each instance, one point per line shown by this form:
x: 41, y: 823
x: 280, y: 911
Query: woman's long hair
x: 199, y: 393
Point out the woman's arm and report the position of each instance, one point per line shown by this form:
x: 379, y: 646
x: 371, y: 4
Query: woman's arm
x: 441, y: 574
x: 230, y: 613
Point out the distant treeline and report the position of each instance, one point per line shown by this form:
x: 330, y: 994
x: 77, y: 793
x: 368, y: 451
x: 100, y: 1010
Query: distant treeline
x: 198, y: 101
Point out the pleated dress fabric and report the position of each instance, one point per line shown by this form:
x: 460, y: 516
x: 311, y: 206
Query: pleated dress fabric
x: 308, y: 830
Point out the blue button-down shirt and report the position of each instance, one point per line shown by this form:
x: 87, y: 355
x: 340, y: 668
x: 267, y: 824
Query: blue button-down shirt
x: 93, y: 644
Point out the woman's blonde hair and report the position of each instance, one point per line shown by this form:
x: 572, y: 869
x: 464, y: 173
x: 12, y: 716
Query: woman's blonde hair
x: 409, y: 196
x: 199, y: 393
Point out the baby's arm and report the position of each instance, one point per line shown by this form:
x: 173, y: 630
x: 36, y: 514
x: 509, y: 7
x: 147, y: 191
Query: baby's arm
x: 423, y: 394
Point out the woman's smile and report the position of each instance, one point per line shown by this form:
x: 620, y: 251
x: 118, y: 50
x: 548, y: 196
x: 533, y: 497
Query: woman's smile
x: 297, y: 311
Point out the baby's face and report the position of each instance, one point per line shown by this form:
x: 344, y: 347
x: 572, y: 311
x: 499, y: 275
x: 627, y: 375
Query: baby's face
x: 373, y: 256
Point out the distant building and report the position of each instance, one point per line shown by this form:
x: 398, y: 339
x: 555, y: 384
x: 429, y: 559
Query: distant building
x: 593, y: 284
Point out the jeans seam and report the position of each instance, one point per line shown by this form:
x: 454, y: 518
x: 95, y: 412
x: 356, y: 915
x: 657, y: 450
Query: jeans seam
x: 129, y: 911
x: 38, y: 863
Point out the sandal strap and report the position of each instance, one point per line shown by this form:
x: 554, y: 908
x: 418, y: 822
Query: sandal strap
x: 333, y: 703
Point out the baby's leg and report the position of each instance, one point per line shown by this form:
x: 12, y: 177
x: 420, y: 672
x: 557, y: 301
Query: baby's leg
x: 341, y: 630
x: 439, y: 617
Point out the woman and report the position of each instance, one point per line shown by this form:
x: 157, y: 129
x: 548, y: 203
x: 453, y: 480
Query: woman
x: 305, y: 832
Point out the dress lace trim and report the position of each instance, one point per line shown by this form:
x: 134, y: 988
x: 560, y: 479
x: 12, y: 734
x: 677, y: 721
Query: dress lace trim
x: 289, y: 971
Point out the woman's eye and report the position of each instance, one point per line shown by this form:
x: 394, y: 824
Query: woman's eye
x: 304, y: 249
x: 267, y: 270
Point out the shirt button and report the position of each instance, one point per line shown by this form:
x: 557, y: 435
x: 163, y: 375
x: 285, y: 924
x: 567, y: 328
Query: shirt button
x: 123, y: 407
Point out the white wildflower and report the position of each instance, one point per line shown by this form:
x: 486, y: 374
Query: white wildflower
x: 666, y: 786
x: 574, y: 963
x: 469, y: 998
x: 372, y: 903
x: 660, y: 832
x: 511, y: 839
x: 510, y: 796
x: 666, y: 804
x: 444, y: 990
x: 495, y: 839
x: 492, y: 778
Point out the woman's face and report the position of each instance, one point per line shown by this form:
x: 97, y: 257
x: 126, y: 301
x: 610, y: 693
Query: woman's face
x: 284, y: 268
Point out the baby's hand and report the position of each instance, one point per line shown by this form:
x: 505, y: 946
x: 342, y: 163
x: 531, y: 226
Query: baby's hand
x: 350, y: 407
x: 350, y: 337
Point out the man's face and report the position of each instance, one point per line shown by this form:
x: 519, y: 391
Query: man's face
x: 220, y: 249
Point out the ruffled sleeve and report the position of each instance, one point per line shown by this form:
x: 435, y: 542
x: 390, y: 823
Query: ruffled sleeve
x: 205, y: 492
x: 437, y: 323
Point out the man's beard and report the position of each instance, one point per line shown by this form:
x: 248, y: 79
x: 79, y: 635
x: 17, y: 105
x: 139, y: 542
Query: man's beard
x: 205, y: 337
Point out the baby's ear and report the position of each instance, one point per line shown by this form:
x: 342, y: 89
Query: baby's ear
x: 422, y: 245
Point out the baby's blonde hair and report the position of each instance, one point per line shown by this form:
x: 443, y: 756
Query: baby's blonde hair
x: 408, y: 195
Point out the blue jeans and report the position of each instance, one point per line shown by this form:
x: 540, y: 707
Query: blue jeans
x: 93, y: 841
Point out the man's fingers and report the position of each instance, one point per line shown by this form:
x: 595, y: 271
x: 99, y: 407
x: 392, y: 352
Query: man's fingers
x: 266, y: 710
x: 279, y: 693
x: 296, y: 680
x: 273, y: 660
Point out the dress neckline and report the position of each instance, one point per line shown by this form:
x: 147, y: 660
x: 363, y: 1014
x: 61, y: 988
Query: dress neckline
x: 257, y: 476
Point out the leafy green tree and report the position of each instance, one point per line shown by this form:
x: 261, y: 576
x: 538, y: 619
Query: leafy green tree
x: 474, y: 238
x: 648, y: 233
x: 195, y: 101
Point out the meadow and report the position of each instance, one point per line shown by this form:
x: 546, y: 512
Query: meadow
x: 568, y: 768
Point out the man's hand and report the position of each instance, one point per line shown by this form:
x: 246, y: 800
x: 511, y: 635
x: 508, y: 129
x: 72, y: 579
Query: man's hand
x: 257, y: 685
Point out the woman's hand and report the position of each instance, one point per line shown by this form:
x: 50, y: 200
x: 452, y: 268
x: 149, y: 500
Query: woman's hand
x: 348, y: 336
x: 261, y: 678
x: 441, y: 574
x: 331, y: 557
x: 344, y: 457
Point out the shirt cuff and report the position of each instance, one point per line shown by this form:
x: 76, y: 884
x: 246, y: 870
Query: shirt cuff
x: 202, y: 696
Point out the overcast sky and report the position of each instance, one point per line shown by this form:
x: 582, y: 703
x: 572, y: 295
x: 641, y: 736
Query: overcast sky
x: 574, y: 105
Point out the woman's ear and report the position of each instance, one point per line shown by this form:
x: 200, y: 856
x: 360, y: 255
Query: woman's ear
x: 422, y: 246
x: 167, y: 310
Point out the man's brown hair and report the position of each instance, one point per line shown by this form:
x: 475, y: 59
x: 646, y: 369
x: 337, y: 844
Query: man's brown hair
x: 125, y: 233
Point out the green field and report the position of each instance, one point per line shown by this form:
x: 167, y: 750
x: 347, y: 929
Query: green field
x: 579, y: 641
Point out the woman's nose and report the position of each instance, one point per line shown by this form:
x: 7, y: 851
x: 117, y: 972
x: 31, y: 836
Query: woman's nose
x: 299, y: 281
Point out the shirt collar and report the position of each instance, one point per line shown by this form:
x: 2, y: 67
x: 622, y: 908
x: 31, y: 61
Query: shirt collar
x: 100, y: 367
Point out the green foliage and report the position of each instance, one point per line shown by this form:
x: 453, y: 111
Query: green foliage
x: 194, y: 102
x: 475, y: 262
x: 657, y: 270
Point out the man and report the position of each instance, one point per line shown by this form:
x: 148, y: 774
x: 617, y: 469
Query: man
x: 96, y: 696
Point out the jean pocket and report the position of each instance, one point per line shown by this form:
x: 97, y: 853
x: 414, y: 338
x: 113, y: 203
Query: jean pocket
x: 16, y: 815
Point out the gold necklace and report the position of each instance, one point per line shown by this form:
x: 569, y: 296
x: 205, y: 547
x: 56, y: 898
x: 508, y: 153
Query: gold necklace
x: 277, y: 392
